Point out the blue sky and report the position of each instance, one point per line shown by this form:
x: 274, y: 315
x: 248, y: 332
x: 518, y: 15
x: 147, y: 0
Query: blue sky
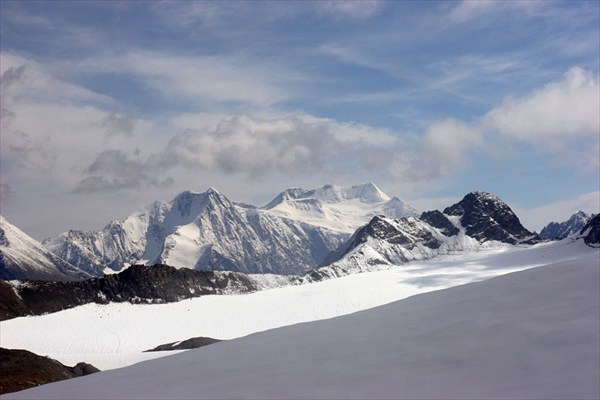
x: 107, y: 106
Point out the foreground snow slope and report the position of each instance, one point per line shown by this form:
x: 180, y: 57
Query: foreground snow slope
x: 114, y: 335
x: 529, y: 334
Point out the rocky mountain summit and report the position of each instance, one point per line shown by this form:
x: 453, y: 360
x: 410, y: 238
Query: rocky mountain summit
x: 486, y: 217
x: 561, y: 230
x: 478, y: 220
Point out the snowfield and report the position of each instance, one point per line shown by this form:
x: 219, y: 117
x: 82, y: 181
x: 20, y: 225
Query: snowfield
x: 115, y: 335
x: 529, y: 334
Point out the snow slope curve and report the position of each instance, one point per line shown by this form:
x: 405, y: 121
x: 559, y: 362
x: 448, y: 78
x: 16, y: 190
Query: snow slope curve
x: 526, y: 335
x: 116, y: 334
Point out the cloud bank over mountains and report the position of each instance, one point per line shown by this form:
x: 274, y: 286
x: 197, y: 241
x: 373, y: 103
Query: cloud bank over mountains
x: 202, y: 99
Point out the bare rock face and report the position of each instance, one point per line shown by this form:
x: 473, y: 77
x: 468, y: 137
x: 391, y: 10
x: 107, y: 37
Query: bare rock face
x: 21, y: 369
x: 440, y: 221
x: 591, y: 232
x: 485, y: 217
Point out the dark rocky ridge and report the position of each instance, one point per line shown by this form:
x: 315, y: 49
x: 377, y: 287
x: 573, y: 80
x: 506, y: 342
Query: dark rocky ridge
x: 380, y: 228
x: 591, y: 232
x: 137, y: 284
x: 486, y: 217
x: 440, y: 221
x: 21, y: 369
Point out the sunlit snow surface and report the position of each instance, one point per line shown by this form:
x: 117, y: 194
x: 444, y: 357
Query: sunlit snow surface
x: 112, y: 336
x: 531, y: 334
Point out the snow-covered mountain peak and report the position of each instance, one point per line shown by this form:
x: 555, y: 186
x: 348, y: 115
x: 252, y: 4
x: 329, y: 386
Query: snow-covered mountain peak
x: 3, y: 238
x: 366, y: 193
x: 189, y: 204
x: 338, y: 208
x: 22, y: 257
x: 288, y: 194
x: 560, y: 230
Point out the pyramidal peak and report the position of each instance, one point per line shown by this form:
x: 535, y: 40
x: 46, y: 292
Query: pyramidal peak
x: 193, y: 203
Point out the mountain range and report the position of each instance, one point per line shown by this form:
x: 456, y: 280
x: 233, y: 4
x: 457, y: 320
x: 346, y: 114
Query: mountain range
x: 319, y: 233
x: 291, y: 235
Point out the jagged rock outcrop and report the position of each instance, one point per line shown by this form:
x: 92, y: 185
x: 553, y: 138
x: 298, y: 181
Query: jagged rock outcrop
x: 485, y: 217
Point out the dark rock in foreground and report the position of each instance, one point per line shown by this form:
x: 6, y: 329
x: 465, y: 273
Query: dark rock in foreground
x: 21, y: 369
x: 192, y: 343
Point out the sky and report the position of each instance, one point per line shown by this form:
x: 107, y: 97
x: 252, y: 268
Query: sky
x: 109, y: 106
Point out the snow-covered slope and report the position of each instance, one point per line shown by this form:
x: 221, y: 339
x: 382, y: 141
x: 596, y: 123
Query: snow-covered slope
x: 384, y: 242
x: 22, y: 257
x: 525, y: 335
x: 114, y: 335
x: 200, y: 231
x: 560, y: 230
x: 338, y: 208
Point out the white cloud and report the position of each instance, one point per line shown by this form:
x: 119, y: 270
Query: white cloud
x: 296, y: 144
x: 200, y: 79
x: 567, y: 108
x: 6, y: 192
x: 51, y: 129
x: 25, y: 79
x: 466, y: 10
x: 561, y: 119
x: 442, y: 151
x: 357, y: 9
